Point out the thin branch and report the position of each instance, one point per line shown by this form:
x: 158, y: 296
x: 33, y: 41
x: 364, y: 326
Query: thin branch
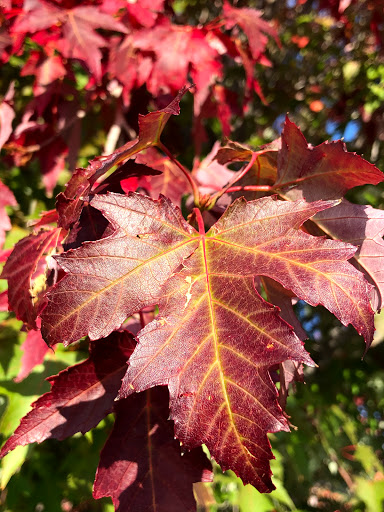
x: 185, y: 172
x: 238, y: 177
x: 253, y: 188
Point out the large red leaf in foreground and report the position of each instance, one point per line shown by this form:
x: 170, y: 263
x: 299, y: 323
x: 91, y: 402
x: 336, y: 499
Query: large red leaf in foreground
x: 141, y: 463
x: 216, y: 338
x: 81, y: 396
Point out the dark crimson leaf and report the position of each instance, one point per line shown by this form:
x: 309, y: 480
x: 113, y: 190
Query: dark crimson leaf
x: 151, y: 239
x: 141, y: 463
x: 6, y: 199
x: 362, y: 226
x: 26, y: 262
x: 326, y: 171
x: 70, y: 202
x: 34, y: 348
x: 92, y: 225
x: 81, y: 396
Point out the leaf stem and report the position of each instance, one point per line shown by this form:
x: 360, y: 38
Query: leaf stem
x: 200, y: 221
x: 238, y: 177
x: 186, y: 173
x: 254, y: 188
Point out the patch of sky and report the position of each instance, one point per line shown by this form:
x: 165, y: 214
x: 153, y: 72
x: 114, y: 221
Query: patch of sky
x: 351, y: 130
x: 278, y: 123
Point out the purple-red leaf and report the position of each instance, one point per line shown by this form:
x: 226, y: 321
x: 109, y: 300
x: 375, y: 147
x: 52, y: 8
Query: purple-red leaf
x: 81, y: 396
x: 213, y: 344
x: 216, y: 339
x: 141, y: 463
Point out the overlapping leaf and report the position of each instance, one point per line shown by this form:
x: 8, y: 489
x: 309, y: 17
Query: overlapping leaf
x: 81, y: 396
x: 70, y: 202
x: 26, y: 262
x: 362, y: 226
x: 326, y: 171
x: 297, y: 170
x: 141, y: 464
x: 6, y: 199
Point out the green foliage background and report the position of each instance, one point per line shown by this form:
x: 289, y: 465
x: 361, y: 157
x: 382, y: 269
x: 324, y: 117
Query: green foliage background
x: 332, y: 86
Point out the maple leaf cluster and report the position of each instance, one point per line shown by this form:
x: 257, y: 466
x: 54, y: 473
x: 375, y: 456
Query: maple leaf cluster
x: 87, y: 56
x: 223, y: 281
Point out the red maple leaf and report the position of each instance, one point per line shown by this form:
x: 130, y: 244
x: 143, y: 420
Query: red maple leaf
x: 81, y: 396
x: 140, y: 463
x: 6, y: 199
x: 27, y: 262
x: 191, y: 346
x: 78, y: 38
x: 34, y: 349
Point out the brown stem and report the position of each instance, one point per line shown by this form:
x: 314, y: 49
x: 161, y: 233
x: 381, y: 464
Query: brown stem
x: 186, y: 173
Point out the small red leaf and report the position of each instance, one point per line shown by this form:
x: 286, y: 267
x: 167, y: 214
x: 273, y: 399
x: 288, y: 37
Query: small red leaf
x: 255, y: 28
x: 26, y: 262
x: 141, y: 463
x: 7, y: 115
x: 34, y: 348
x: 6, y: 199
